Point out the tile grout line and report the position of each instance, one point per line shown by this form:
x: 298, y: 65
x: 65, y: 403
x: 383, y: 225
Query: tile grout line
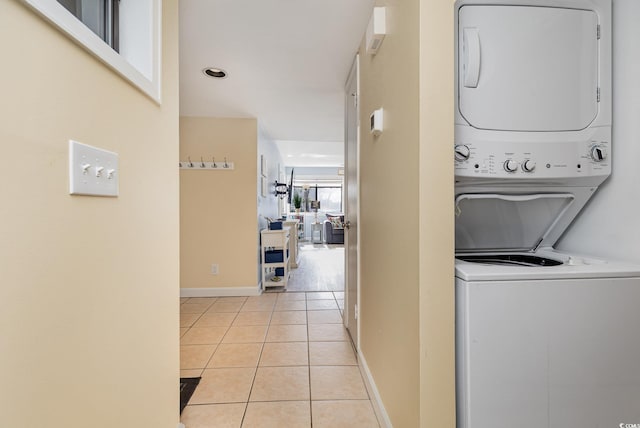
x: 214, y: 350
x: 255, y: 373
x: 309, y: 361
x: 190, y: 327
x: 264, y: 342
x: 199, y: 316
x: 221, y: 339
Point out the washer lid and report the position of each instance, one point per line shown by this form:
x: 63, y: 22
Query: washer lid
x: 512, y: 222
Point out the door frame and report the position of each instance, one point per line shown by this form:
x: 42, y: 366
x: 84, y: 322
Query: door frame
x: 353, y: 74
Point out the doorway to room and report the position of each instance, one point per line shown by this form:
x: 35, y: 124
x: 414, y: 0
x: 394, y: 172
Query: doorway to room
x: 316, y: 208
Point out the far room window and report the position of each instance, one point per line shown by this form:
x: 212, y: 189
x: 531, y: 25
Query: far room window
x: 101, y: 16
x: 329, y: 195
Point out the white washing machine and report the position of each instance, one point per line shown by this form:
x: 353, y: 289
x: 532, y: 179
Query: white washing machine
x: 544, y: 339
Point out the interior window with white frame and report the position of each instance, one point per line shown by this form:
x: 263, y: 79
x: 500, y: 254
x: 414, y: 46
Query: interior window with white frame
x: 125, y: 35
x: 101, y: 16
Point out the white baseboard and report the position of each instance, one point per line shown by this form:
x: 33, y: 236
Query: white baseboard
x: 221, y: 291
x: 376, y: 401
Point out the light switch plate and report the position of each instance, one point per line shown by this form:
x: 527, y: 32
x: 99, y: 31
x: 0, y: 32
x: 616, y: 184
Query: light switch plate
x: 92, y: 171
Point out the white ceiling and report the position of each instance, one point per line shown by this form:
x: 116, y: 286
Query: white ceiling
x: 309, y: 153
x: 287, y: 62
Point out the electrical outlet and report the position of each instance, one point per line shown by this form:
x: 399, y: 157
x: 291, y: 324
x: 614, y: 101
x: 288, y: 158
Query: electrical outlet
x: 214, y: 269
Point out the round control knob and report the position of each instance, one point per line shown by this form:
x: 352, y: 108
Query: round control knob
x: 598, y: 153
x: 528, y: 165
x: 461, y: 152
x: 510, y: 165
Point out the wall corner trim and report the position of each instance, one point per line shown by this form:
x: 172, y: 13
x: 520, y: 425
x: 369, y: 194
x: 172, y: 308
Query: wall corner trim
x: 221, y: 291
x: 376, y: 400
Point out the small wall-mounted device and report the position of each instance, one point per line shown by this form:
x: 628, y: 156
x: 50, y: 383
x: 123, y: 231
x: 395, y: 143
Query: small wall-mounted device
x: 376, y: 30
x: 376, y: 122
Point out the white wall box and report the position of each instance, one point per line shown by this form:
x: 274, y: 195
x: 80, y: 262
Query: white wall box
x: 376, y: 122
x: 376, y: 30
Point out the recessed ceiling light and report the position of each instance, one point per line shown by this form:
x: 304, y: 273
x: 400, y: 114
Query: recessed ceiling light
x: 215, y: 72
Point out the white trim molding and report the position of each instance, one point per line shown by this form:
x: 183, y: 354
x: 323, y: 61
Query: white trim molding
x: 145, y: 77
x: 376, y: 401
x: 221, y: 291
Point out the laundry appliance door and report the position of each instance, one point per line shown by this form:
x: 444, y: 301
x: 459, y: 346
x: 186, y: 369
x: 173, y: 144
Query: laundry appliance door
x: 517, y: 222
x: 525, y: 68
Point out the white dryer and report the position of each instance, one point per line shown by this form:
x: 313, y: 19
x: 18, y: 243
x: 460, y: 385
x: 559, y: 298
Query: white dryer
x: 533, y: 91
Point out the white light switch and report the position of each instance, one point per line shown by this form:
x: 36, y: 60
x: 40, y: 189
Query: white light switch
x: 87, y: 166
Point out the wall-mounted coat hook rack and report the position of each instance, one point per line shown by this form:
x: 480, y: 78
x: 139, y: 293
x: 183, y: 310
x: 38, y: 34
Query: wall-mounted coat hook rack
x: 206, y: 166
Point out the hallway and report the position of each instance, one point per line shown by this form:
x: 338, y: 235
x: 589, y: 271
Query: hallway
x: 275, y: 360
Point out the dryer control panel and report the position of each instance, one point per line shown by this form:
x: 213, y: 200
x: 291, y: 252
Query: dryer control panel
x: 534, y: 160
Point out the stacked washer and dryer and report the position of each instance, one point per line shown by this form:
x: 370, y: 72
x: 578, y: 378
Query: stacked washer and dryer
x: 543, y: 338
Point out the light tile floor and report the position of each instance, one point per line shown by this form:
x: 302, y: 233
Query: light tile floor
x: 275, y: 360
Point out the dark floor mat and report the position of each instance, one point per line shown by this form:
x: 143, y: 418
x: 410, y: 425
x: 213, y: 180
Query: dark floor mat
x: 187, y: 387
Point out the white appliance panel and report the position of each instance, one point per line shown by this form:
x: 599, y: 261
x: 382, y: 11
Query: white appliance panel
x: 574, y: 266
x: 507, y: 222
x: 513, y: 217
x: 524, y: 68
x: 550, y: 157
x: 543, y: 354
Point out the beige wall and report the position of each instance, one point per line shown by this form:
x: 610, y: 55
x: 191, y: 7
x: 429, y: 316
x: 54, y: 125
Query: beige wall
x: 406, y: 220
x: 218, y: 209
x: 89, y: 286
x: 437, y: 304
x: 389, y: 206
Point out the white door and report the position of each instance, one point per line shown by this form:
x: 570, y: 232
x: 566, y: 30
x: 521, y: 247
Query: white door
x: 527, y: 68
x: 351, y: 197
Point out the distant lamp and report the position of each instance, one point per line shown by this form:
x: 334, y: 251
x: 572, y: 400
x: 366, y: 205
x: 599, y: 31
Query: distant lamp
x: 315, y: 206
